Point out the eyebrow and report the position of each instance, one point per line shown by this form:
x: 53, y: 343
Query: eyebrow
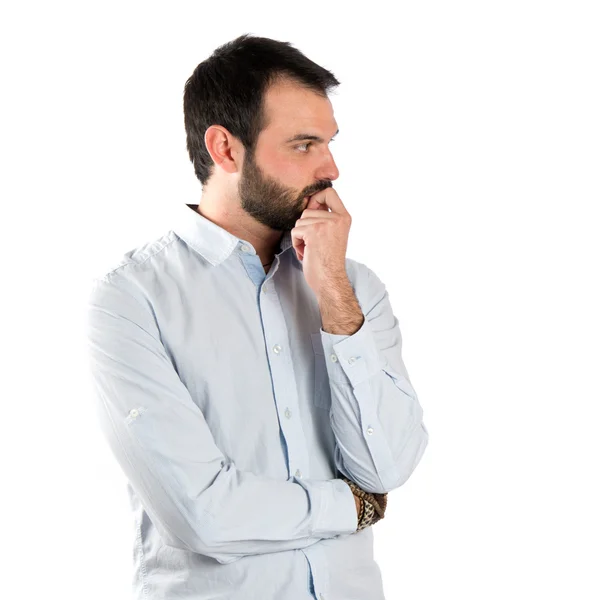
x: 307, y: 136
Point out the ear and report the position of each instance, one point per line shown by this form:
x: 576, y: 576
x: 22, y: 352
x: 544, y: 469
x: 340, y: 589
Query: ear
x: 224, y: 148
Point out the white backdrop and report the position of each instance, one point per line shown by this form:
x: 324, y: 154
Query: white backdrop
x: 469, y: 160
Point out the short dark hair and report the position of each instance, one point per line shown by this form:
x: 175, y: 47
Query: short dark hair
x: 228, y: 89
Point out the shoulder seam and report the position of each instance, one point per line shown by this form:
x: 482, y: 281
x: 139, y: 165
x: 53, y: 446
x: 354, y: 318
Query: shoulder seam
x: 169, y: 234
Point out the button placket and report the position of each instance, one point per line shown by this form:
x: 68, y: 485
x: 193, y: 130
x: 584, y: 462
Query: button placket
x: 280, y: 358
x: 277, y: 349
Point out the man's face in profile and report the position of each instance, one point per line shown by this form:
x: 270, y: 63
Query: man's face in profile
x: 287, y: 166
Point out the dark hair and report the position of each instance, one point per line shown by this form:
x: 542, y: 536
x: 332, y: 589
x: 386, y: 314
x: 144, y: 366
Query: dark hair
x: 228, y: 88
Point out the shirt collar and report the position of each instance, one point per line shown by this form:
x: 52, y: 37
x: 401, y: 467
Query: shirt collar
x: 210, y: 240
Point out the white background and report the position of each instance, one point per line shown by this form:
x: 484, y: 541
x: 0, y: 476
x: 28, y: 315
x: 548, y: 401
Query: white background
x: 468, y: 151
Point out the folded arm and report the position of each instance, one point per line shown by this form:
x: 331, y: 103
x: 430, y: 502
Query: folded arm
x: 196, y: 497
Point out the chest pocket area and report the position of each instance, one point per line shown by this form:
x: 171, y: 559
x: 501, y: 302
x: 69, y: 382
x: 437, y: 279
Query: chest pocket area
x: 322, y: 392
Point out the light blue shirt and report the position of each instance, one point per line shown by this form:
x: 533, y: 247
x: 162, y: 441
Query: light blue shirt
x: 231, y: 411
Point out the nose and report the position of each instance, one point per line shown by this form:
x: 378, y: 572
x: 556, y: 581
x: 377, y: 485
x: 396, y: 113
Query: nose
x: 328, y: 170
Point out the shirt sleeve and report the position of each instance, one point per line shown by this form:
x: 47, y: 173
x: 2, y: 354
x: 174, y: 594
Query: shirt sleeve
x: 375, y: 413
x: 195, y: 496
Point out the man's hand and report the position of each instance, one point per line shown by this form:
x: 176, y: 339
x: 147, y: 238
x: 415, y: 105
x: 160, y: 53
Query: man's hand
x: 320, y: 239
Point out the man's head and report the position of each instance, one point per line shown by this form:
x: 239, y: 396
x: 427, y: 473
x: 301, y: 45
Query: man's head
x: 257, y: 116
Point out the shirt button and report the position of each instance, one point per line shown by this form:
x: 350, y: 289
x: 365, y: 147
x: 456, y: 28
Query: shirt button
x: 246, y: 248
x: 265, y: 287
x: 352, y: 360
x: 277, y: 348
x: 288, y: 413
x: 299, y: 474
x: 134, y: 413
x: 334, y: 358
x: 370, y: 430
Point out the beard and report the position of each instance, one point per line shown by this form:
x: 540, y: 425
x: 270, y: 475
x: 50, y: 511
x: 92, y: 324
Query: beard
x: 268, y: 201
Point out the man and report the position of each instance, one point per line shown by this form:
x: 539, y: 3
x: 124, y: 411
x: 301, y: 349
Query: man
x: 248, y: 376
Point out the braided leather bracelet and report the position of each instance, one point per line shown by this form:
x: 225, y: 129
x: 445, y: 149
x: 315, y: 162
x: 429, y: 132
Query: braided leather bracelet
x: 372, y: 506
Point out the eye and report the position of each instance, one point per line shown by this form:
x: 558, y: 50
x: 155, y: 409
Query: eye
x: 307, y: 144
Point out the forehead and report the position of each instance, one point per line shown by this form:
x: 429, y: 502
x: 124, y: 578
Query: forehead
x: 289, y: 108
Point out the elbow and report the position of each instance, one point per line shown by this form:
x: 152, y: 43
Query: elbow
x: 204, y: 545
x: 196, y: 534
x: 215, y: 544
x: 407, y: 463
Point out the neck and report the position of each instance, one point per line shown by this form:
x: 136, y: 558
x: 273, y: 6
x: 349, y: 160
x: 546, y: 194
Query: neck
x: 225, y: 211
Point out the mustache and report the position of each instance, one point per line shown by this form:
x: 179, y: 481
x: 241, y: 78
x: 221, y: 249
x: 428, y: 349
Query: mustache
x: 317, y: 187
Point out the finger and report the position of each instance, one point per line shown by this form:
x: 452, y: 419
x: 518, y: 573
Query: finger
x: 328, y: 199
x: 298, y: 241
x: 303, y: 221
x: 317, y: 214
x: 314, y: 204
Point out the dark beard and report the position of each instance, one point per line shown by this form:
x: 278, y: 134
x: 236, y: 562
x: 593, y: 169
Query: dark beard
x: 269, y: 202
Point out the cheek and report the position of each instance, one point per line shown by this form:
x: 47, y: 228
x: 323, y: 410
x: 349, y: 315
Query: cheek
x: 290, y: 171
